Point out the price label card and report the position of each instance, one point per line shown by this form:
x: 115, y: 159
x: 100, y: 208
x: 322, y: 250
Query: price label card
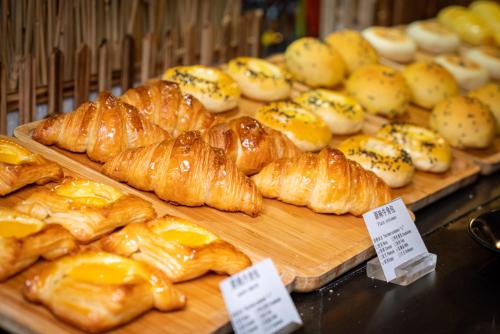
x: 258, y: 302
x: 394, y: 235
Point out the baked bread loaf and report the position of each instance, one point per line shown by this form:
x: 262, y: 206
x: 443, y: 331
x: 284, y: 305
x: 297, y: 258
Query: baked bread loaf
x: 216, y: 90
x: 433, y: 37
x: 429, y: 151
x: 23, y: 239
x: 102, y: 129
x: 187, y: 171
x: 162, y: 103
x: 85, y: 208
x: 314, y: 63
x: 180, y: 249
x: 380, y: 90
x: 259, y: 79
x: 469, y: 27
x: 391, y: 43
x: 249, y: 143
x: 464, y: 122
x: 387, y: 160
x: 303, y: 127
x: 96, y: 291
x: 325, y: 182
x: 487, y: 57
x: 20, y: 167
x: 489, y: 95
x: 429, y: 83
x: 342, y: 114
x: 354, y: 49
x: 468, y: 74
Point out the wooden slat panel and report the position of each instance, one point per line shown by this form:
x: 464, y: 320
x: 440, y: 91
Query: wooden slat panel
x: 55, y: 85
x: 3, y: 99
x: 82, y: 75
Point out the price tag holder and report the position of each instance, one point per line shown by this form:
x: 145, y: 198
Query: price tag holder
x: 258, y: 302
x: 402, y: 255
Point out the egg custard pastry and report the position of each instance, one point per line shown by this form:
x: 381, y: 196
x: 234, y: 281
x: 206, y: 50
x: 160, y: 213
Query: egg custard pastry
x: 96, y: 291
x: 180, y: 249
x: 20, y: 167
x: 87, y: 209
x: 23, y: 239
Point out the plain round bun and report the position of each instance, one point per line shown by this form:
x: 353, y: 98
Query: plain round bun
x: 216, y: 90
x: 487, y: 57
x: 468, y: 74
x: 430, y: 83
x: 314, y: 63
x: 355, y: 51
x: 388, y: 161
x: 303, y: 127
x: 489, y: 95
x: 391, y: 43
x: 429, y: 151
x: 433, y: 37
x: 380, y: 90
x: 259, y: 79
x: 464, y: 122
x: 342, y: 113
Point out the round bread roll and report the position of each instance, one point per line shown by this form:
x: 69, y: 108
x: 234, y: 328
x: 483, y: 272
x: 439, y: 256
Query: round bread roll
x: 433, y: 37
x: 303, y: 127
x: 489, y: 95
x: 429, y: 83
x: 391, y: 43
x: 216, y: 90
x: 468, y: 74
x: 488, y: 12
x: 355, y: 51
x: 380, y: 90
x: 314, y: 63
x: 342, y: 113
x: 464, y: 122
x: 487, y: 57
x: 429, y: 151
x: 259, y: 79
x: 466, y: 24
x: 388, y: 161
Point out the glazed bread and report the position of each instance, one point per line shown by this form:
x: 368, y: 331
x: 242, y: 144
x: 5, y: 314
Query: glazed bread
x: 489, y: 95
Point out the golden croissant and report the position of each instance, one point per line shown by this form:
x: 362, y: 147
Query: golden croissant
x: 249, y: 143
x: 182, y: 250
x: 20, y: 167
x: 188, y: 171
x: 96, y: 291
x: 163, y: 103
x: 326, y: 182
x: 102, y: 129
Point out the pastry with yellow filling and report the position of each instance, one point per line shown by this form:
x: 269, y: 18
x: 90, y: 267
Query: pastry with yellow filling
x: 180, y: 249
x: 391, y: 43
x: 20, y: 167
x: 469, y: 27
x: 314, y: 63
x: 354, y: 49
x: 432, y: 36
x: 429, y: 151
x: 97, y: 291
x: 489, y: 95
x: 87, y: 209
x: 487, y: 57
x: 387, y: 160
x: 303, y: 127
x: 468, y: 74
x: 342, y: 113
x: 259, y: 79
x: 216, y: 90
x: 23, y: 239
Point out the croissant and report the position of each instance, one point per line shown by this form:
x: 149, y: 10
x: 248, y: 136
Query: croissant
x: 102, y: 129
x: 96, y: 291
x: 163, y: 103
x: 249, y: 143
x: 20, y: 167
x: 326, y: 182
x: 188, y: 171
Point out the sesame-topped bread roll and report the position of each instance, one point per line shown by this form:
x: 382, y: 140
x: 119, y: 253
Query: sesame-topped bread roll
x: 391, y: 43
x: 430, y: 83
x: 464, y: 122
x: 489, y: 95
x: 468, y: 74
x: 431, y: 36
x: 380, y: 90
x: 355, y: 51
x: 314, y: 63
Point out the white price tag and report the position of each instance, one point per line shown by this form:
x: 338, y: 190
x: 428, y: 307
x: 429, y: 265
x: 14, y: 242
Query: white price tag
x: 258, y: 302
x: 394, y: 235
